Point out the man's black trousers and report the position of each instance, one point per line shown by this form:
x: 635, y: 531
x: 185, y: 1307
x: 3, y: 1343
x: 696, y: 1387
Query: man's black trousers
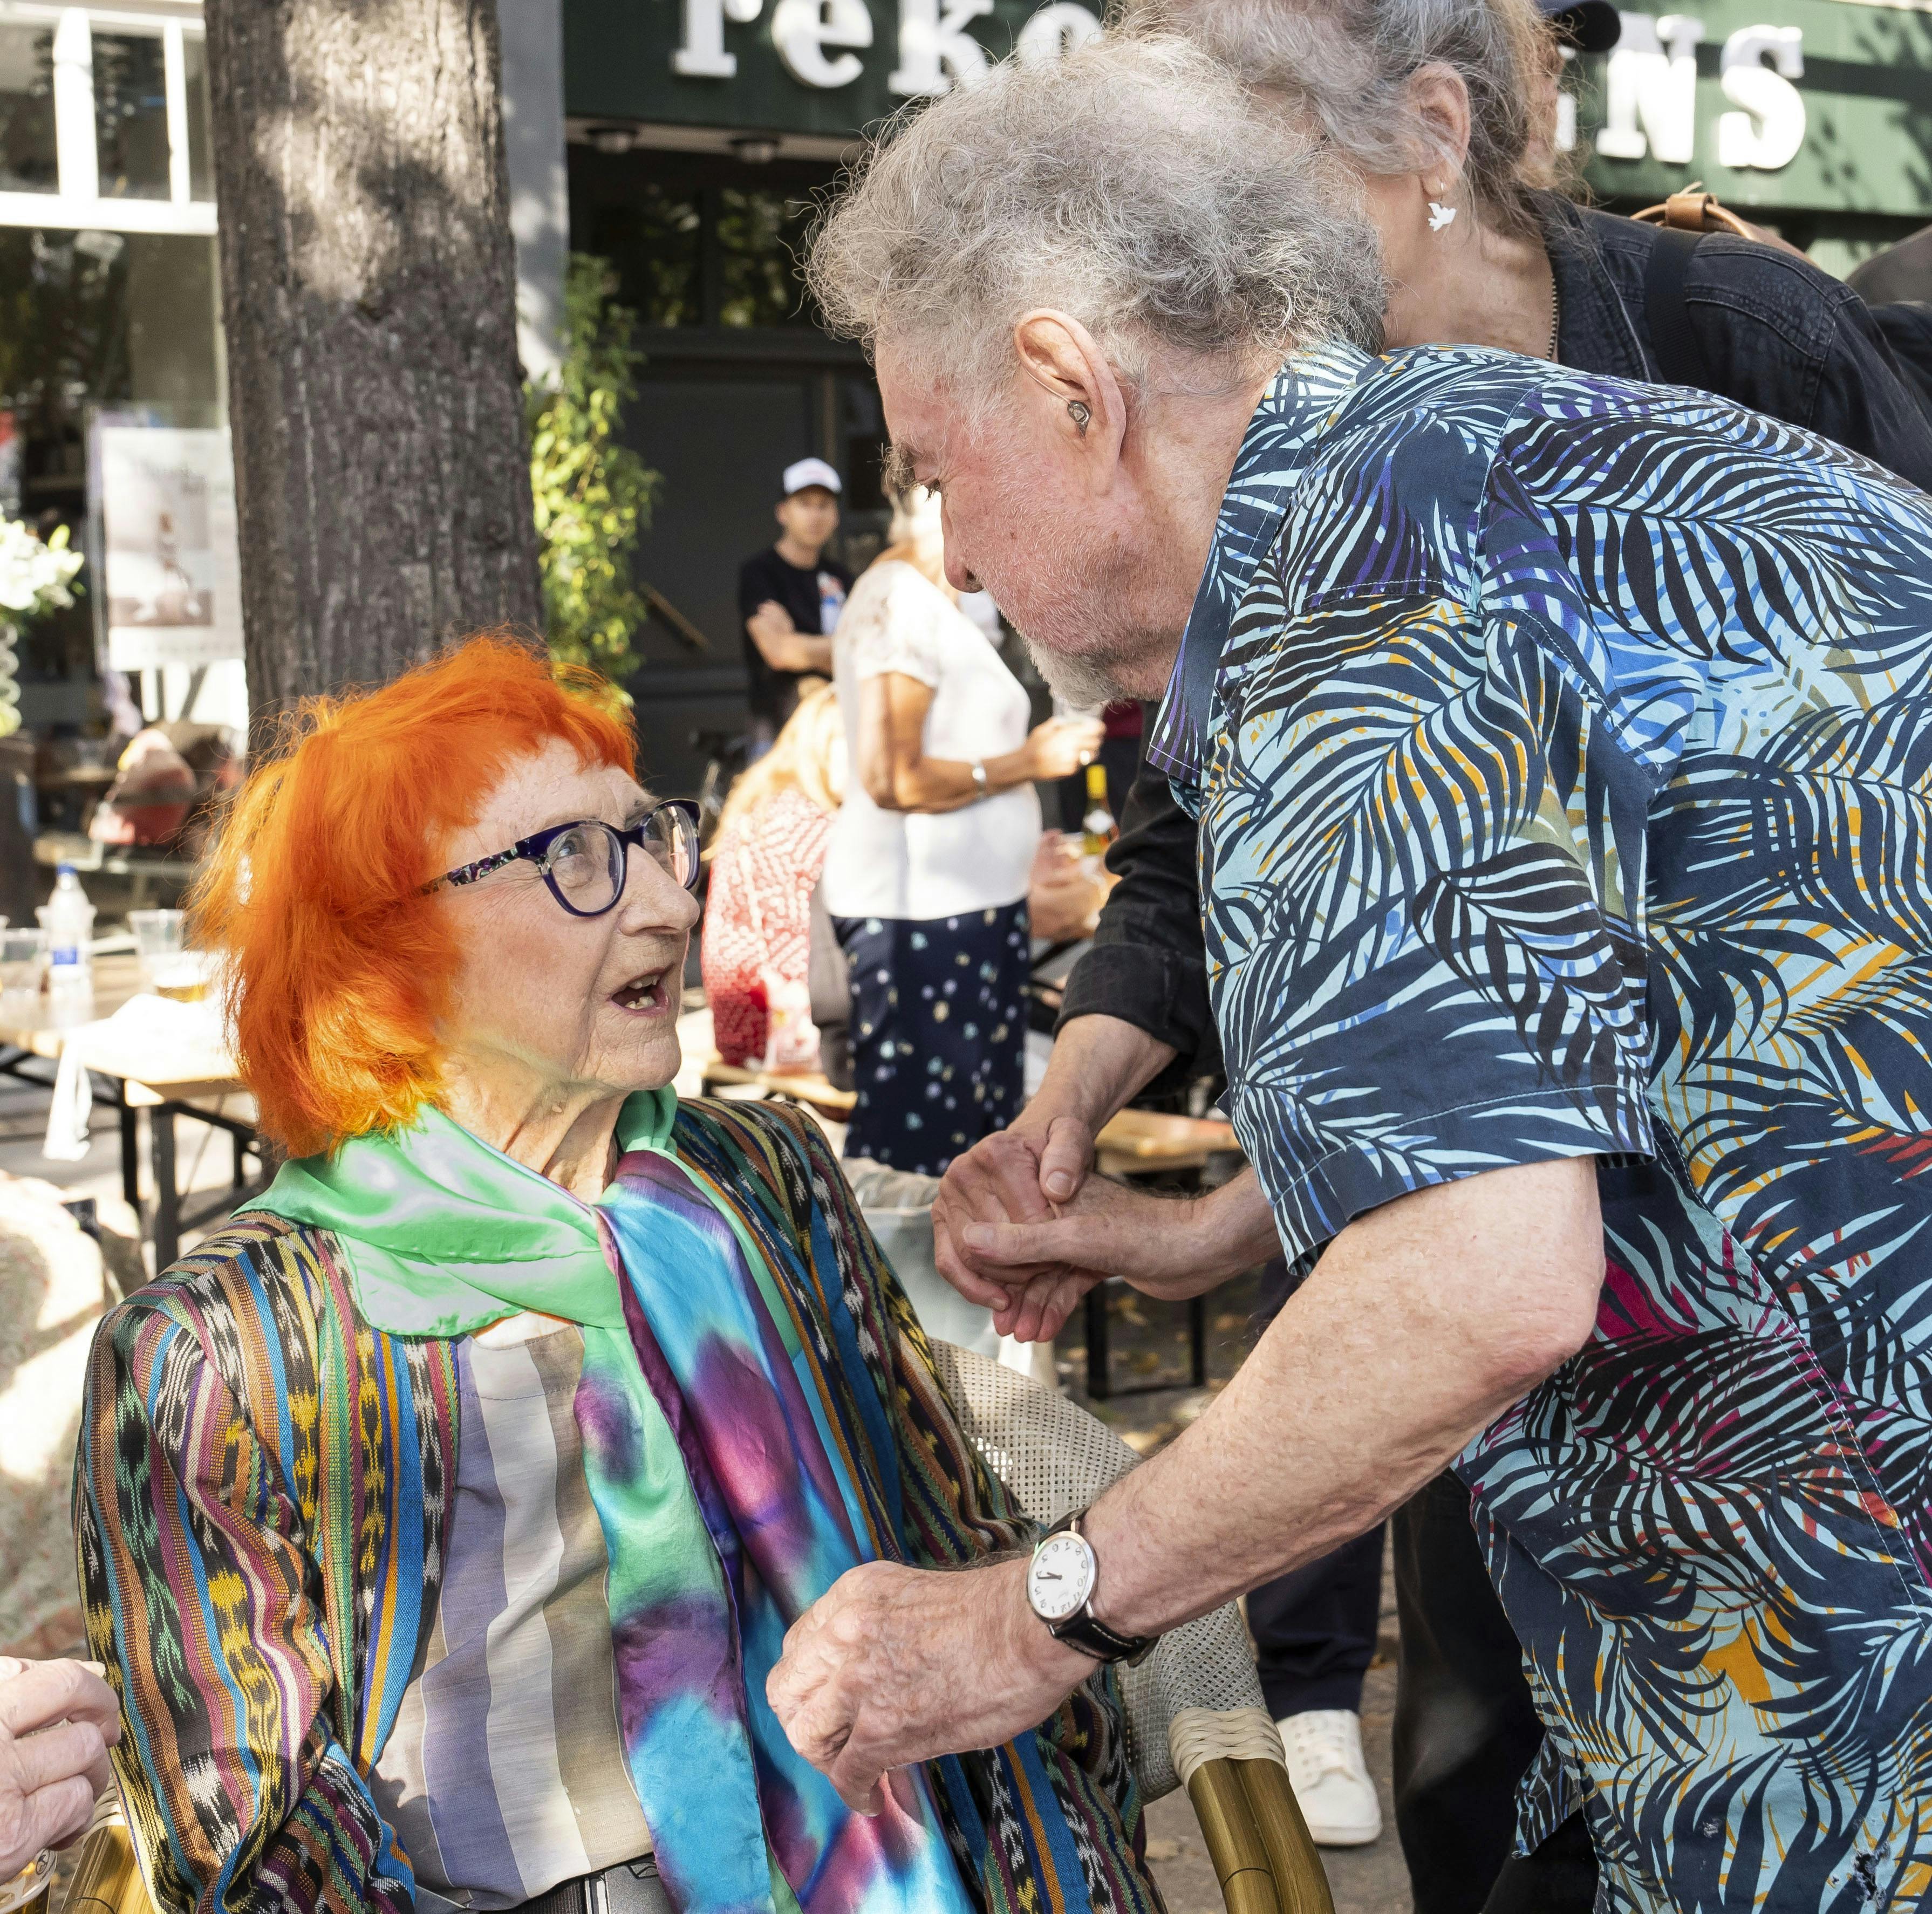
x: 1466, y: 1730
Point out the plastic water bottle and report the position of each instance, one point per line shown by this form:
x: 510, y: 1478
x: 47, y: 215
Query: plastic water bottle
x: 69, y: 919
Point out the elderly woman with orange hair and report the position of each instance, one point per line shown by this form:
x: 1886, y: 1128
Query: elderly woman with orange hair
x: 441, y: 1518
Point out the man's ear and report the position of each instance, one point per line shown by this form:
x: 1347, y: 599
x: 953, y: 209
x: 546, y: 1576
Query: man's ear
x: 1084, y: 402
x: 1440, y: 97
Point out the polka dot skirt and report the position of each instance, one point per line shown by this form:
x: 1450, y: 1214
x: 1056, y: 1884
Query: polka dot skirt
x: 938, y: 1032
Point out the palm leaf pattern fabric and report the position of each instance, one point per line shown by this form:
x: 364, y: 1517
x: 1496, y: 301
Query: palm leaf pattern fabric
x: 1563, y: 753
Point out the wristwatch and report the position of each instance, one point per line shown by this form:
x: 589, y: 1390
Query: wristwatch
x: 1061, y: 1583
x: 980, y: 776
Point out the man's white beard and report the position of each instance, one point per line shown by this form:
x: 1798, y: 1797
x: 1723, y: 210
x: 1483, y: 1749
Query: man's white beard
x: 1078, y: 682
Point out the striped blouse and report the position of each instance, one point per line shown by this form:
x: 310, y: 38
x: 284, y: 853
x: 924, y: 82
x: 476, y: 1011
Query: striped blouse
x: 267, y: 1511
x: 504, y: 1774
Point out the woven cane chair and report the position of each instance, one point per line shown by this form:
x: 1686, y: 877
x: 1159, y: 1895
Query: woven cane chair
x: 1195, y: 1717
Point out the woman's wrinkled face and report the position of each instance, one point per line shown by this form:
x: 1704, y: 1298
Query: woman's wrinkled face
x: 568, y: 1002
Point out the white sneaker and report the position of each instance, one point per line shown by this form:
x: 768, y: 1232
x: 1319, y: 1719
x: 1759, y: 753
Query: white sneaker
x: 1331, y: 1777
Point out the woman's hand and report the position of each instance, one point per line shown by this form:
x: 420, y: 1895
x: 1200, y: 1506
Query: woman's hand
x: 1063, y: 897
x: 1059, y: 747
x: 58, y: 1720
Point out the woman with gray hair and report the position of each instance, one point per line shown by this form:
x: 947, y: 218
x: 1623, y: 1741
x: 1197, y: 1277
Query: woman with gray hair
x: 1441, y: 112
x: 1540, y: 726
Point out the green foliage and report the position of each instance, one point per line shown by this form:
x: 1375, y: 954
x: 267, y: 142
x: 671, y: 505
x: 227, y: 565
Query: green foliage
x: 593, y: 494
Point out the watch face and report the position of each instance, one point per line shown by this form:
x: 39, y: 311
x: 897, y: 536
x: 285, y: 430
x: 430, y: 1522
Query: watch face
x: 1061, y: 1577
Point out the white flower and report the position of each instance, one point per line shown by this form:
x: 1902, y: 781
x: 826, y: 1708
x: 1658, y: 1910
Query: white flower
x: 35, y: 575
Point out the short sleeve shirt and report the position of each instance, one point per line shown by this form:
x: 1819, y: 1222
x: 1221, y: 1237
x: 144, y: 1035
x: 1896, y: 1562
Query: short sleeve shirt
x: 917, y: 866
x: 1562, y: 750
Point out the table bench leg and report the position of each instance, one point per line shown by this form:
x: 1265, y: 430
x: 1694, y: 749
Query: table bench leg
x: 1100, y: 1383
x: 167, y: 1196
x: 1197, y: 1337
x: 131, y: 1148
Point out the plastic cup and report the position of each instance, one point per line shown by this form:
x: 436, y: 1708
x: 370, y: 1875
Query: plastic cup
x: 157, y: 932
x: 23, y: 953
x: 185, y: 976
x: 167, y: 967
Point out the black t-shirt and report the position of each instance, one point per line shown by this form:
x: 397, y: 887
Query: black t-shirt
x: 813, y: 596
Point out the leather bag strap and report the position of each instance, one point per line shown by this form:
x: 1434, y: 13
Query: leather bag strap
x: 1680, y: 359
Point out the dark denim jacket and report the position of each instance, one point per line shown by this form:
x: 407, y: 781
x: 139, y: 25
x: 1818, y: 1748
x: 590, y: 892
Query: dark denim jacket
x: 1776, y: 334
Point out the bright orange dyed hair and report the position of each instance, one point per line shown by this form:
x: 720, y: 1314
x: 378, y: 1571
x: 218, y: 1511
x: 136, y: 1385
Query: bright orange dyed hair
x: 342, y: 965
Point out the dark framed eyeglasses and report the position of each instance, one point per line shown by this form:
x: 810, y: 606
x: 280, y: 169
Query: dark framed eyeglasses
x: 583, y: 862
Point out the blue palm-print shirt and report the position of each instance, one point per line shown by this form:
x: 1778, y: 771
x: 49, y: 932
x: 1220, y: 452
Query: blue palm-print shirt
x: 1562, y: 749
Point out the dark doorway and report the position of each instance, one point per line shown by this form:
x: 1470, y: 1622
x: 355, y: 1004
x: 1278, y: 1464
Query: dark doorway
x: 739, y: 382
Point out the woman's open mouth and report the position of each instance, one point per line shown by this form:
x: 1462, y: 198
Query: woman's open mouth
x: 645, y: 996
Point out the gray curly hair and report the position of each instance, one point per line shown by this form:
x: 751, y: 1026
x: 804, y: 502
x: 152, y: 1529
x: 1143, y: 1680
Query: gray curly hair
x: 1344, y: 67
x: 1132, y: 184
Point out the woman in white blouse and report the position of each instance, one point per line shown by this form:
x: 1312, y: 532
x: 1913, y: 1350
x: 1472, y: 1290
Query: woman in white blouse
x: 925, y: 880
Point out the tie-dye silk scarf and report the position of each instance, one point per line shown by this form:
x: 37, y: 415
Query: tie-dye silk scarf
x: 726, y: 1505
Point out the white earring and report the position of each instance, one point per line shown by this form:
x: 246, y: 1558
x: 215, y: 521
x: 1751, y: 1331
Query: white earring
x: 1440, y: 216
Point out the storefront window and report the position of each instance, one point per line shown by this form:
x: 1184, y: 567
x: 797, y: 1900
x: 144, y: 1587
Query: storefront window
x: 760, y: 235
x: 130, y: 115
x: 194, y: 80
x: 91, y: 319
x: 652, y: 235
x: 27, y: 157
x: 692, y: 248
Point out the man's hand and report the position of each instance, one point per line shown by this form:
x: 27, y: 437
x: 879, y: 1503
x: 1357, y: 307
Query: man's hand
x: 895, y: 1665
x: 999, y: 1244
x: 1165, y: 1247
x: 999, y: 1181
x: 1025, y: 1174
x: 58, y: 1720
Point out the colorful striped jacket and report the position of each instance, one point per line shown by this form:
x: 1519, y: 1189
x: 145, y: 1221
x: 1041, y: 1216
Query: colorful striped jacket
x: 260, y: 1500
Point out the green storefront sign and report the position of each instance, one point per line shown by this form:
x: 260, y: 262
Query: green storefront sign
x: 827, y: 67
x: 1823, y: 106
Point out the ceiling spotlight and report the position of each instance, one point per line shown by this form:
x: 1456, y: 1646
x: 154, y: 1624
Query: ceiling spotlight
x: 613, y: 139
x: 755, y: 149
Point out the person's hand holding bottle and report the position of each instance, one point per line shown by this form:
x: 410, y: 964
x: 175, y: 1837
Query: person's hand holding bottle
x: 1060, y: 746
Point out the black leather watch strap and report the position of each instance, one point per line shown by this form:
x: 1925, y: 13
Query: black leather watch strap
x: 1084, y: 1630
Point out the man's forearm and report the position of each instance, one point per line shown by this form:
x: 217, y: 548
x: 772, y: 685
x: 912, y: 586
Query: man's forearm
x: 791, y: 651
x: 1232, y: 1229
x: 1423, y: 1322
x: 1098, y: 1064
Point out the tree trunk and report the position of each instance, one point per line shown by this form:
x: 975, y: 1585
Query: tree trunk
x: 369, y: 295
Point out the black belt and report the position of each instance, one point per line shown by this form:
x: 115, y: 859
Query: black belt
x: 631, y: 1887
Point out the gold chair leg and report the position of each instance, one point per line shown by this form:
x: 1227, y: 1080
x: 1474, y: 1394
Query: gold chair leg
x: 108, y: 1880
x: 1301, y: 1879
x: 1235, y: 1844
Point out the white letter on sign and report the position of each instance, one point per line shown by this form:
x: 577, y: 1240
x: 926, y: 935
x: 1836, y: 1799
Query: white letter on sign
x: 935, y: 50
x: 802, y: 29
x: 1646, y: 82
x: 1054, y: 30
x: 1768, y: 97
x: 702, y: 56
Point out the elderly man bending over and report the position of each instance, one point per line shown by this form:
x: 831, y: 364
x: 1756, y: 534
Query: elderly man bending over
x: 1562, y: 750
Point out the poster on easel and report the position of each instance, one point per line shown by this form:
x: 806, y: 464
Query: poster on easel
x: 170, y: 560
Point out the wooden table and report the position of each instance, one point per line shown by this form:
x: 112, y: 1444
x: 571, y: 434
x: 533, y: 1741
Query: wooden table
x: 792, y: 1087
x: 27, y: 1035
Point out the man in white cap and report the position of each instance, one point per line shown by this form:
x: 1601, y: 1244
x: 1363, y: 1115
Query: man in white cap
x: 790, y: 596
